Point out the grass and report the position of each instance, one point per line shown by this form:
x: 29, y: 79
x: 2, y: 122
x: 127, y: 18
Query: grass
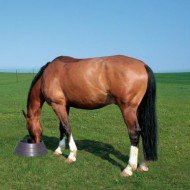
x: 102, y: 141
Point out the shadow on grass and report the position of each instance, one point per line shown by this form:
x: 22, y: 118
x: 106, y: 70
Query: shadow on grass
x: 100, y: 149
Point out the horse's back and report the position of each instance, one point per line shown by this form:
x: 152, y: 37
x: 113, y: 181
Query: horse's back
x: 94, y: 81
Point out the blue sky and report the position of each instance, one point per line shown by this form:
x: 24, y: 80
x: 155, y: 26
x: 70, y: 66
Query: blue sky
x: 36, y: 31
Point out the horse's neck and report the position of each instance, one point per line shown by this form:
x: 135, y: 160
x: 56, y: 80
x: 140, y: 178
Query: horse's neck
x: 35, y: 100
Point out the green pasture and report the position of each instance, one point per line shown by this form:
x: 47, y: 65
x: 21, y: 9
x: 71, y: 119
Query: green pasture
x: 102, y: 142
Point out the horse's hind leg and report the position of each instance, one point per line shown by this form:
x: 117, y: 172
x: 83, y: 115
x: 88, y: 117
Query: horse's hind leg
x: 65, y: 129
x: 130, y: 118
x: 143, y: 166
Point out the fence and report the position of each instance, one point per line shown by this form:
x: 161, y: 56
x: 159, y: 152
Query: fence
x: 8, y: 76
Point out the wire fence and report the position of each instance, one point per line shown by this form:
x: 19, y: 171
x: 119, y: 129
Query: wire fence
x: 8, y: 76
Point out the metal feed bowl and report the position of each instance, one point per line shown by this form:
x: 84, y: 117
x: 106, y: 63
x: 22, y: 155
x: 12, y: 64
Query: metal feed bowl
x: 28, y: 149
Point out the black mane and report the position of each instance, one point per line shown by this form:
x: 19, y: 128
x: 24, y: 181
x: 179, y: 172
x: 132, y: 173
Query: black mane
x: 36, y: 78
x: 39, y: 74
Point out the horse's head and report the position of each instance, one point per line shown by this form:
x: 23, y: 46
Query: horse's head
x: 34, y: 127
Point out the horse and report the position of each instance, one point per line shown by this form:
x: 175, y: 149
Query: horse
x: 93, y: 83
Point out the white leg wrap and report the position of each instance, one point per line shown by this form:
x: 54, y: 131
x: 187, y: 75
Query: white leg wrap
x: 61, y: 146
x: 58, y: 150
x: 73, y: 149
x: 72, y: 144
x: 133, y: 157
x: 128, y: 171
x: 72, y: 156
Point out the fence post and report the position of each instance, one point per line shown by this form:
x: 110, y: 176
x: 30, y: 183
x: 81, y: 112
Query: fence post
x: 16, y: 76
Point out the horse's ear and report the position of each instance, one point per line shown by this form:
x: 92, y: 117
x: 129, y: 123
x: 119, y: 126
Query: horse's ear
x: 25, y: 115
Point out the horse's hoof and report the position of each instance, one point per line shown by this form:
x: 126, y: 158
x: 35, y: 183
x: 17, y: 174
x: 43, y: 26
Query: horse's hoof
x: 133, y: 166
x: 125, y: 173
x: 69, y: 161
x: 142, y: 169
x: 56, y: 153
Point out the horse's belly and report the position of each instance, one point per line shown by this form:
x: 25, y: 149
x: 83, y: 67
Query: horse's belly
x: 90, y: 101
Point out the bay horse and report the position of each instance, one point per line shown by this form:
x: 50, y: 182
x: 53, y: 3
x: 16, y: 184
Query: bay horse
x: 93, y: 83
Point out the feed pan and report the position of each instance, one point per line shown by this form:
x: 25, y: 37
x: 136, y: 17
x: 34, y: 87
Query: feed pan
x: 26, y: 148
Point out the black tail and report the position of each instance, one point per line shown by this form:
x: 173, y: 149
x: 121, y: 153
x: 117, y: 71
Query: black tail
x: 147, y: 118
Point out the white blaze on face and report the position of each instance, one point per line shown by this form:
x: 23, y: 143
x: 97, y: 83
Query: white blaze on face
x: 61, y: 146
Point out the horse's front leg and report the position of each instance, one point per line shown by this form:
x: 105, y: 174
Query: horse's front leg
x: 61, y: 147
x: 65, y: 131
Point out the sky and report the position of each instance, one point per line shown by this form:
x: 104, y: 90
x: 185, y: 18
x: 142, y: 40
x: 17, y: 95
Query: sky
x: 36, y: 31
